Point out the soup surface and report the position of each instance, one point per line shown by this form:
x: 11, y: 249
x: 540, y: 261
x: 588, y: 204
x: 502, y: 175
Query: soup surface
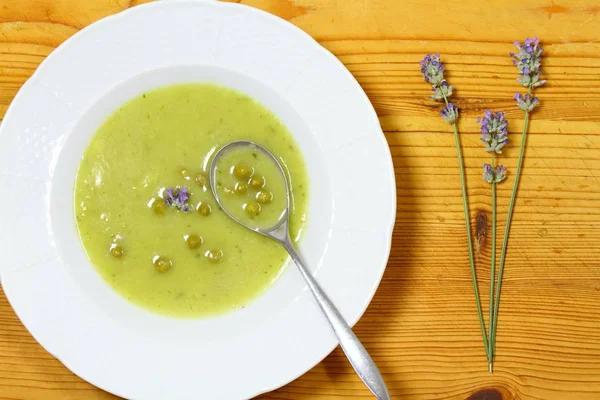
x: 145, y: 212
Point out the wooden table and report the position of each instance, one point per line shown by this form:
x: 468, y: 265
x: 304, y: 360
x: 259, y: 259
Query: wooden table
x: 421, y: 327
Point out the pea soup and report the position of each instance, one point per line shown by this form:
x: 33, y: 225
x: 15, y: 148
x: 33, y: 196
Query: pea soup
x: 145, y: 213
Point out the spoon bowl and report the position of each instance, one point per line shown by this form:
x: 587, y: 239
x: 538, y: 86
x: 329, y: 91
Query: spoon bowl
x: 357, y: 355
x: 280, y: 228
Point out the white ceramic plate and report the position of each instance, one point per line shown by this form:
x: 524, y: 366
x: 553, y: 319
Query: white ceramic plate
x: 126, y: 350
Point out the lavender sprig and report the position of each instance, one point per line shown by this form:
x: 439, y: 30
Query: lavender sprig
x: 494, y: 136
x: 528, y: 61
x: 433, y: 73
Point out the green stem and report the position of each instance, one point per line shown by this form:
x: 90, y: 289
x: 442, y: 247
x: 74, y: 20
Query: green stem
x: 493, y: 267
x: 507, y: 230
x: 469, y: 240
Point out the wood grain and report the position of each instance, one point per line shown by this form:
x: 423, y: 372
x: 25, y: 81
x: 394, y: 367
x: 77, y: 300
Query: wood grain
x: 421, y: 327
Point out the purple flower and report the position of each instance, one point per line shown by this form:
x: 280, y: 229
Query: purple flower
x: 183, y: 195
x: 493, y: 130
x: 169, y: 198
x: 441, y: 92
x: 528, y: 62
x: 488, y: 173
x: 449, y: 113
x: 433, y: 72
x: 500, y: 173
x: 177, y: 198
x: 493, y: 176
x: 432, y: 69
x: 527, y: 103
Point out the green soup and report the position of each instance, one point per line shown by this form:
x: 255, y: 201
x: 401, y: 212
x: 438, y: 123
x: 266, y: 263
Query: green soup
x: 146, y: 215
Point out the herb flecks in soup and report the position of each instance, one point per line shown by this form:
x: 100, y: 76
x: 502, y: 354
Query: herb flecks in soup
x: 145, y: 212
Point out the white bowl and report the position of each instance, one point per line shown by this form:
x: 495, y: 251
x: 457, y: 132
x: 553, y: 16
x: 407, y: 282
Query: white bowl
x: 118, y: 346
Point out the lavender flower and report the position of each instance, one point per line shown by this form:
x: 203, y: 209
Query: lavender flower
x: 493, y: 131
x: 528, y: 62
x: 433, y: 72
x: 500, y: 173
x: 432, y: 69
x: 178, y: 198
x: 488, y: 173
x: 442, y: 91
x: 494, y: 176
x: 527, y: 103
x: 449, y: 113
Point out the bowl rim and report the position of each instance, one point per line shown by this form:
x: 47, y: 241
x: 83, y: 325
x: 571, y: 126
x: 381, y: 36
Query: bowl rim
x: 157, y: 7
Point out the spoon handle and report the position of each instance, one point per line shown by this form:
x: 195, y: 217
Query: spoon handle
x: 351, y: 345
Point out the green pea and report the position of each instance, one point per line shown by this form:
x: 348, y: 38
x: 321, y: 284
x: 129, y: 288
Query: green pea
x: 214, y: 255
x: 116, y: 251
x: 201, y: 179
x: 159, y: 207
x: 252, y: 208
x: 204, y: 209
x: 240, y: 188
x: 257, y: 181
x: 264, y: 197
x: 194, y: 241
x: 162, y: 264
x: 242, y: 171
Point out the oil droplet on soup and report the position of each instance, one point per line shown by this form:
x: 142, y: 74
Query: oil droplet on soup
x: 162, y: 140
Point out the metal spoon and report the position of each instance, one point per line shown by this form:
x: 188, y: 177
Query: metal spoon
x: 355, y: 351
